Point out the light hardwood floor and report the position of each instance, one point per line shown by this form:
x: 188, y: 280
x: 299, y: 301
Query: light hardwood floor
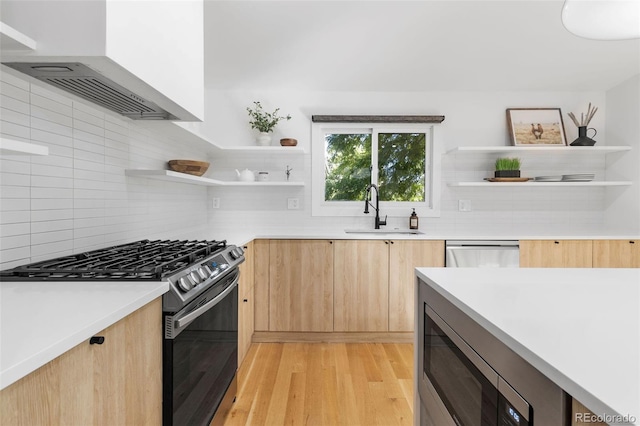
x: 325, y: 384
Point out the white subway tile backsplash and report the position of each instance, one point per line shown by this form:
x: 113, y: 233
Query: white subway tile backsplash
x: 51, y: 237
x: 57, y: 193
x: 10, y: 116
x: 52, y: 116
x: 15, y: 241
x: 14, y: 104
x: 48, y: 126
x: 51, y: 182
x: 13, y: 91
x: 86, y: 109
x: 15, y: 216
x: 46, y: 92
x: 53, y: 171
x: 11, y: 204
x: 54, y: 249
x: 51, y: 204
x: 8, y: 193
x: 49, y: 104
x: 51, y: 214
x: 51, y: 139
x: 14, y: 229
x: 14, y: 254
x: 13, y: 130
x: 88, y: 118
x: 14, y: 179
x: 87, y: 165
x: 51, y: 225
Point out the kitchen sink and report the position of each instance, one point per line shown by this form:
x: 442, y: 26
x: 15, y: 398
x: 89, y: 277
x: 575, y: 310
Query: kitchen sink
x: 383, y: 231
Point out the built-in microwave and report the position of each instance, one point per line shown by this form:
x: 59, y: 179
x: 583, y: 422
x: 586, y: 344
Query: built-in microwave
x: 468, y: 377
x: 472, y: 392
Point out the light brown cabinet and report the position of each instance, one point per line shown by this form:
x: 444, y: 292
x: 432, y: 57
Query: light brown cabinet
x: 245, y: 303
x: 300, y: 285
x: 118, y: 382
x: 616, y: 254
x: 361, y: 285
x: 340, y: 285
x: 556, y: 253
x: 404, y: 257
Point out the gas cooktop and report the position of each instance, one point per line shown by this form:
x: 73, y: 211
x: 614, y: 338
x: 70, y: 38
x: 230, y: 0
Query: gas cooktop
x: 136, y: 261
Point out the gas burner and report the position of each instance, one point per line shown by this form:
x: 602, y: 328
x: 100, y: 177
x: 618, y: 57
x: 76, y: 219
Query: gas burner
x: 137, y: 261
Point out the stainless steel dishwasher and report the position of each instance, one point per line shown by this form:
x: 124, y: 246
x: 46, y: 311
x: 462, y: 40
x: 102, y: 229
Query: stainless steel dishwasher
x: 482, y: 254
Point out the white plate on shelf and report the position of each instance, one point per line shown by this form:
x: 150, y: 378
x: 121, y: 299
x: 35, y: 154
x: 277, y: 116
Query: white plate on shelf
x: 580, y: 177
x: 547, y: 178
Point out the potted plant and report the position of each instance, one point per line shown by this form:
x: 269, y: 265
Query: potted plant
x: 264, y: 122
x: 507, y: 168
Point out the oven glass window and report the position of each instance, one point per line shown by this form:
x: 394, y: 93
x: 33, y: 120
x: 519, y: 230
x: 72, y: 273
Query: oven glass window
x: 205, y: 359
x: 469, y: 397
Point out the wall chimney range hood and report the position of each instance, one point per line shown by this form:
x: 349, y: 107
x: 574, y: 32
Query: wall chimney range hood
x: 86, y: 83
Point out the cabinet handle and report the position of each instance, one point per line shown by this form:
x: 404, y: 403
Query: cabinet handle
x: 96, y: 340
x: 330, y: 242
x: 245, y: 300
x: 557, y: 242
x: 244, y: 247
x: 386, y: 242
x: 632, y: 242
x: 391, y: 242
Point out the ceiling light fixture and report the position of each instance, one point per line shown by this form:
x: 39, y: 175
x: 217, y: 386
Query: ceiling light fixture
x: 602, y: 19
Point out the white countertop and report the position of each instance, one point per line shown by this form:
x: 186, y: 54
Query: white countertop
x: 579, y: 327
x: 41, y: 320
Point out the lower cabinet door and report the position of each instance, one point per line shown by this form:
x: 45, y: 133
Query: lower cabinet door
x: 117, y: 382
x: 301, y: 285
x: 361, y: 280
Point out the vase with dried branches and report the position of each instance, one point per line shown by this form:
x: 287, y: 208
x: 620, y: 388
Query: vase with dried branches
x: 583, y: 139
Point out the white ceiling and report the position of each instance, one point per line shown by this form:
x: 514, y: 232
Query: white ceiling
x: 405, y: 46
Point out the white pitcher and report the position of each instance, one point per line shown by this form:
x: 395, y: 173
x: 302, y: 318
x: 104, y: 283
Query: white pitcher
x: 246, y: 175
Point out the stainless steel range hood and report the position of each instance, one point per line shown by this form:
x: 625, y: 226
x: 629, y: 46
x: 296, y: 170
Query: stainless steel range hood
x: 94, y: 87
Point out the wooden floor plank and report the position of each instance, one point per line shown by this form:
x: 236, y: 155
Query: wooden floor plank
x: 325, y: 384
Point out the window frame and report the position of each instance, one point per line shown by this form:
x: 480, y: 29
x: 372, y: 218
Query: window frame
x: 428, y: 208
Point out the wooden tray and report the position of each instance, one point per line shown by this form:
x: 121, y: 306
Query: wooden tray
x: 520, y: 179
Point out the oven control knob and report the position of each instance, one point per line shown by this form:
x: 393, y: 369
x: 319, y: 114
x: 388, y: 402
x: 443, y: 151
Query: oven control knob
x: 195, y: 277
x: 202, y: 272
x: 185, y: 283
x: 207, y: 271
x: 236, y: 253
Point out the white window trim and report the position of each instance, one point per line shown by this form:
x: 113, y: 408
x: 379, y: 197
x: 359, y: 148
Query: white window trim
x: 428, y: 208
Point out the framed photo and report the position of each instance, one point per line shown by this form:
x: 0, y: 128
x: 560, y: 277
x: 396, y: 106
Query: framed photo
x: 536, y: 126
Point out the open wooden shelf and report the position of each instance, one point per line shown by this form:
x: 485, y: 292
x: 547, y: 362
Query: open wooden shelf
x: 168, y: 175
x: 534, y: 184
x: 564, y: 150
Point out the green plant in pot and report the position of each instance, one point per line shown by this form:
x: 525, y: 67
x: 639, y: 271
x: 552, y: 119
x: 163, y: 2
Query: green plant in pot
x: 264, y: 122
x: 507, y: 168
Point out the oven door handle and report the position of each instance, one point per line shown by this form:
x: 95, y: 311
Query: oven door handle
x: 191, y: 316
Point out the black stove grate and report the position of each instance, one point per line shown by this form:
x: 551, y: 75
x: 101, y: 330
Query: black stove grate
x: 140, y: 260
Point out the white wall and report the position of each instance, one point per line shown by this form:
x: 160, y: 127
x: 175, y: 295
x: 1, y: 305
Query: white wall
x: 623, y: 128
x: 472, y: 119
x: 78, y: 197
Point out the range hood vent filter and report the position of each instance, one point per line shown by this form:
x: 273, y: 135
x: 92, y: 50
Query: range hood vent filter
x: 92, y: 86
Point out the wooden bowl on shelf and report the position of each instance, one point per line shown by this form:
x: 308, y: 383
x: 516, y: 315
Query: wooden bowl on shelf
x: 196, y: 168
x: 288, y: 142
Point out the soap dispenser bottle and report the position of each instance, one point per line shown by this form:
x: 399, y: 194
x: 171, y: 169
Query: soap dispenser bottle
x: 413, y: 220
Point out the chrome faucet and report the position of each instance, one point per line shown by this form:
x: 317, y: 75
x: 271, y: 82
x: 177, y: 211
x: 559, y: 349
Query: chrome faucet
x: 367, y: 202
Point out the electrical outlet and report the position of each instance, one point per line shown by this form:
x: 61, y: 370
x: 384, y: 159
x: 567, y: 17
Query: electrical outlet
x: 215, y: 203
x: 464, y: 205
x: 293, y: 203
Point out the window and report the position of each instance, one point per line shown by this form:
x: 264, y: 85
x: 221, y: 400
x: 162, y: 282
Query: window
x: 401, y: 159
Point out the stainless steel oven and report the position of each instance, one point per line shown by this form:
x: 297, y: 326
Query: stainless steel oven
x: 466, y: 376
x: 201, y: 357
x: 200, y: 313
